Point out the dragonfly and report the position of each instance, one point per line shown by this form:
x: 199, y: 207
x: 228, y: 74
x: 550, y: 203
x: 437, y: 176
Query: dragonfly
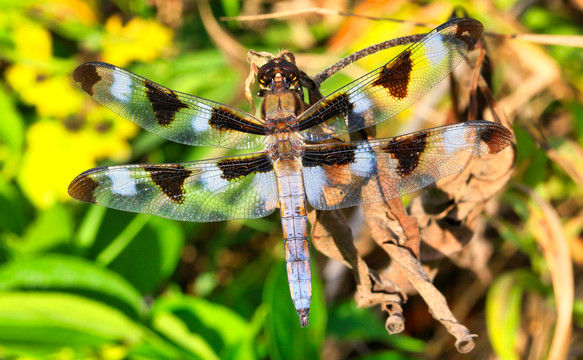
x: 303, y: 159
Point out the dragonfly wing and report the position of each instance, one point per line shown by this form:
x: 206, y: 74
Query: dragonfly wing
x: 361, y: 172
x: 392, y: 88
x: 241, y: 187
x: 170, y: 114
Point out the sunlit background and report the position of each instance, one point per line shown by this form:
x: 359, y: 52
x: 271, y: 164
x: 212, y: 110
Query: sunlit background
x: 79, y: 281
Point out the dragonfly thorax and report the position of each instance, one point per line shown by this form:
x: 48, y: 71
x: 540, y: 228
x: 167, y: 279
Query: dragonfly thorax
x: 280, y: 112
x: 284, y: 146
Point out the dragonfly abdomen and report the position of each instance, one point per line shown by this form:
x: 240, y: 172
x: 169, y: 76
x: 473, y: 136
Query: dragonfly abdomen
x: 292, y: 203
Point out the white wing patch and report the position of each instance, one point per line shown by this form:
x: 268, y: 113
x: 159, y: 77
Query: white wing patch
x: 453, y: 139
x: 122, y: 183
x: 121, y: 88
x: 212, y: 180
x: 315, y: 180
x: 436, y: 50
x: 265, y: 183
x: 364, y: 161
x: 361, y: 102
x: 200, y: 121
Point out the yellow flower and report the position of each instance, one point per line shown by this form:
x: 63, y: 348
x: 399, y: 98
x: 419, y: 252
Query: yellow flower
x: 55, y: 155
x: 53, y: 158
x: 140, y: 39
x: 31, y: 76
x: 32, y: 41
x: 112, y: 132
x: 53, y: 95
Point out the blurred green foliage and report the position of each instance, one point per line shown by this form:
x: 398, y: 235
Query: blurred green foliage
x: 84, y: 282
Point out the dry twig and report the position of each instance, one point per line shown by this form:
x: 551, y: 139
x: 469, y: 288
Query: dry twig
x: 543, y: 39
x: 320, y: 11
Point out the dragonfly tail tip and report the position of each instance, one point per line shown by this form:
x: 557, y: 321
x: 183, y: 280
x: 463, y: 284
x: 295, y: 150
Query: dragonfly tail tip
x: 303, y: 314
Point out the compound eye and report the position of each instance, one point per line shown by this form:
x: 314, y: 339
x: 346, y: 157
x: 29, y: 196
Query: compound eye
x: 291, y: 72
x: 265, y: 71
x: 263, y: 79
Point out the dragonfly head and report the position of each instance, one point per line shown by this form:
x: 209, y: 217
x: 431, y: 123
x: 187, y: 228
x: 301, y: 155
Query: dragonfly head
x: 278, y: 75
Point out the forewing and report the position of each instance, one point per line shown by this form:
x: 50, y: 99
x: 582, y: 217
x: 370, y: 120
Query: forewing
x: 173, y: 115
x: 240, y: 187
x: 362, y: 172
x: 392, y: 88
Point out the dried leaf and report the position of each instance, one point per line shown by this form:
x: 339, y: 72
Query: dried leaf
x: 397, y: 233
x: 548, y: 231
x: 332, y: 236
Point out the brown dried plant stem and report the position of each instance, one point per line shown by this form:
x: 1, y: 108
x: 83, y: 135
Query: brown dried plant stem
x: 398, y: 234
x: 319, y: 11
x: 232, y: 50
x: 544, y: 39
x: 332, y: 236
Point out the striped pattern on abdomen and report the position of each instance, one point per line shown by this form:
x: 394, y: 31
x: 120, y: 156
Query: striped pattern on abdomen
x: 292, y: 203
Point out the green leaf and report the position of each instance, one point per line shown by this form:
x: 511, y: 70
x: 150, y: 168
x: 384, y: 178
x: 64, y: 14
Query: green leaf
x: 244, y: 293
x: 87, y: 231
x: 52, y: 228
x: 11, y: 134
x: 18, y: 218
x: 285, y: 338
x: 67, y: 273
x: 578, y: 312
x: 177, y: 331
x: 145, y: 252
x: 231, y: 7
x: 503, y: 309
x: 207, y: 330
x: 170, y: 237
x: 157, y: 348
x: 123, y: 239
x: 52, y: 319
x: 528, y: 152
x: 347, y: 322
